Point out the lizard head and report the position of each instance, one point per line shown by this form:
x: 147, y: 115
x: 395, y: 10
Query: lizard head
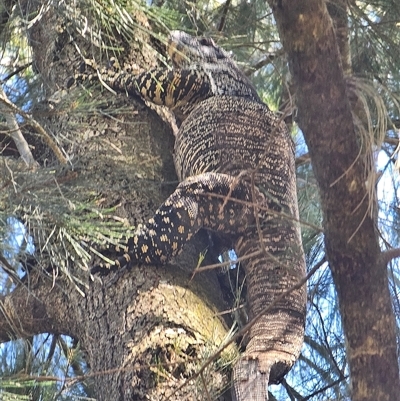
x: 184, y: 50
x: 218, y: 68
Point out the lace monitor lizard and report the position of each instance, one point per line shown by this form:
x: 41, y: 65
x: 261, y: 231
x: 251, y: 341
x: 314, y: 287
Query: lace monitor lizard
x: 235, y: 161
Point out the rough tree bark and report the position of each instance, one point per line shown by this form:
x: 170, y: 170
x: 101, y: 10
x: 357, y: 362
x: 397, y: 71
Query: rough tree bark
x: 144, y: 334
x: 351, y: 238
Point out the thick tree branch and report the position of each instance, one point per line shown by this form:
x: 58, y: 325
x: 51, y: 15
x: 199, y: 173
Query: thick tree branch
x: 341, y: 170
x: 29, y: 310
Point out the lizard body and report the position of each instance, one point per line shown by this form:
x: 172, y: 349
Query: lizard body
x: 235, y: 161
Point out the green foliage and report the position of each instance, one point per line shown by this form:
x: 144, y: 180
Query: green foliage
x: 64, y: 229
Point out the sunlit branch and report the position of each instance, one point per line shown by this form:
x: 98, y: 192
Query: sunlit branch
x: 15, y: 132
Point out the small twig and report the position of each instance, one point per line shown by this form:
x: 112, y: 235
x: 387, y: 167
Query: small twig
x: 265, y: 60
x: 12, y: 177
x: 391, y: 141
x: 303, y: 159
x: 230, y: 311
x: 256, y: 209
x: 264, y: 208
x: 223, y: 16
x: 9, y: 270
x: 205, y: 387
x: 46, y: 137
x: 221, y: 264
x: 325, y: 337
x: 231, y: 188
x: 323, y: 389
x: 18, y: 70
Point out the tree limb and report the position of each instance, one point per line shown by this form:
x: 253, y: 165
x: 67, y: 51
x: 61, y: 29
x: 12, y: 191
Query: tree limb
x: 340, y: 166
x: 15, y: 132
x: 28, y: 311
x: 223, y: 16
x: 389, y: 255
x: 21, y: 143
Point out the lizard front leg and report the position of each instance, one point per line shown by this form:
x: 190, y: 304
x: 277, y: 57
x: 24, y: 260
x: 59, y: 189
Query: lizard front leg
x: 178, y: 89
x: 214, y: 201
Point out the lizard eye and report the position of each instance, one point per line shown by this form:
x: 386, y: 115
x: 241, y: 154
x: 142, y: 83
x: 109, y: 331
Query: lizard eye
x: 206, y: 42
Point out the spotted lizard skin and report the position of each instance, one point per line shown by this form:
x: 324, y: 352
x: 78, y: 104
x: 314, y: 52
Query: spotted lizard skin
x: 235, y: 162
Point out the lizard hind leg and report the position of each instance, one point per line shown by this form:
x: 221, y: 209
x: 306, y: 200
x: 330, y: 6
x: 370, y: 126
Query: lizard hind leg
x: 214, y: 201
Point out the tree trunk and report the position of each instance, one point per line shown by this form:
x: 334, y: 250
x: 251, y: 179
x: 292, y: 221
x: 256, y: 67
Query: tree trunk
x: 144, y: 333
x: 340, y: 167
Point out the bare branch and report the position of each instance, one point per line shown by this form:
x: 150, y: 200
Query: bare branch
x: 15, y: 132
x: 9, y: 269
x: 223, y: 16
x: 303, y: 159
x: 24, y: 313
x: 389, y: 255
x: 19, y: 139
x: 16, y: 71
x: 323, y: 389
x: 265, y: 60
x: 391, y: 141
